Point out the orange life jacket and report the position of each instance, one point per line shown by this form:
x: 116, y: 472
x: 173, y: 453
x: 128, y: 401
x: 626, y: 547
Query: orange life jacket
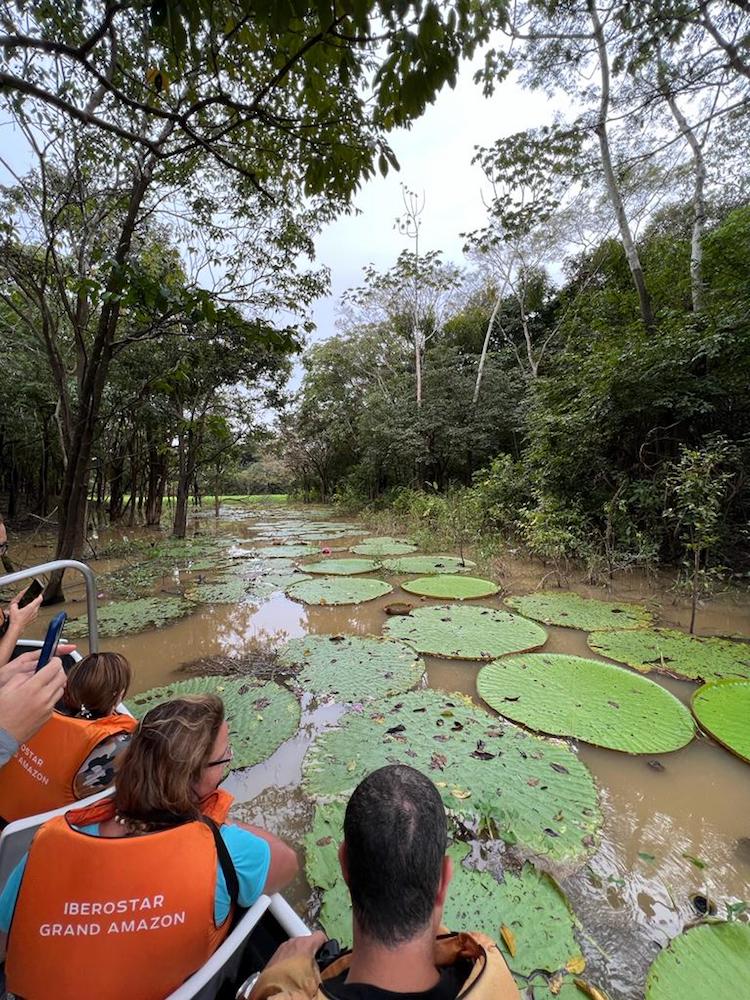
x: 112, y: 918
x: 41, y: 774
x: 489, y: 977
x: 217, y: 805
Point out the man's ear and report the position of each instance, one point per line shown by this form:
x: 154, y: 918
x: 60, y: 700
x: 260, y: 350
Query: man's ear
x: 343, y: 861
x: 446, y: 874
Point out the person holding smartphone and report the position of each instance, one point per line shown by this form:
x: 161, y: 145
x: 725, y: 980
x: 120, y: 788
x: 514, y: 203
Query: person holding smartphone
x: 27, y: 698
x: 15, y: 622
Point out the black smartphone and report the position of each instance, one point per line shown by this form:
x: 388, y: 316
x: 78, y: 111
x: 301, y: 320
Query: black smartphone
x: 31, y: 593
x: 51, y: 639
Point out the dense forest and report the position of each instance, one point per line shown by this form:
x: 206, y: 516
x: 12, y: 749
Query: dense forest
x: 578, y: 384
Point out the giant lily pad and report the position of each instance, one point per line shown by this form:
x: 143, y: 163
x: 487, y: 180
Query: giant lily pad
x: 671, y: 652
x: 471, y: 633
x: 341, y: 567
x: 230, y: 590
x: 588, y: 700
x: 334, y: 590
x: 712, y: 960
x: 260, y: 716
x: 573, y: 611
x: 284, y: 551
x: 427, y: 564
x: 122, y: 617
x: 536, y: 791
x: 384, y: 546
x: 353, y: 668
x: 459, y: 588
x: 273, y: 583
x: 723, y: 710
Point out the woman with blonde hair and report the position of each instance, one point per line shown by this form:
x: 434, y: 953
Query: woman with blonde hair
x: 73, y: 755
x: 131, y: 896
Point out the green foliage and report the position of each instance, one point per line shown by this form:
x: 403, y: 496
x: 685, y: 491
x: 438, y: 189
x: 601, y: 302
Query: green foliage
x: 587, y: 700
x: 124, y: 617
x: 260, y: 716
x: 543, y: 796
x: 341, y: 567
x: 356, y: 668
x: 709, y: 960
x: 334, y: 590
x: 554, y: 607
x: 466, y: 633
x: 668, y: 651
x: 457, y: 587
x: 723, y: 710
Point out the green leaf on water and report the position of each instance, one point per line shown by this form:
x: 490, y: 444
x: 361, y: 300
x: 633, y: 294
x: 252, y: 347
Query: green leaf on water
x: 573, y: 611
x: 677, y: 654
x: 645, y: 856
x: 336, y: 590
x: 341, y: 567
x: 352, y: 668
x: 587, y: 700
x: 723, y: 710
x: 544, y: 786
x: 455, y: 587
x: 122, y: 617
x: 708, y: 961
x: 695, y: 861
x: 466, y: 633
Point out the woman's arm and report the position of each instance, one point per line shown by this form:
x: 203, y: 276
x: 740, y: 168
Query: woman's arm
x: 20, y: 619
x: 284, y: 862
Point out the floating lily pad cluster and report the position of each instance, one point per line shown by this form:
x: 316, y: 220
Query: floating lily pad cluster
x: 711, y: 960
x: 228, y: 590
x: 338, y: 590
x: 537, y: 792
x: 352, y: 668
x: 574, y: 611
x: 723, y: 710
x: 466, y: 633
x: 588, y: 700
x: 284, y: 551
x: 384, y: 546
x: 260, y: 716
x: 668, y: 651
x: 456, y: 587
x: 121, y: 617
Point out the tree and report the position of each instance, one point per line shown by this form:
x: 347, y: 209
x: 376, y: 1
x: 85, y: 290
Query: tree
x: 246, y: 113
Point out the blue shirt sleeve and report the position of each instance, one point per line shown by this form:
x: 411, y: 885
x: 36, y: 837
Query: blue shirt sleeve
x: 251, y: 857
x: 9, y: 894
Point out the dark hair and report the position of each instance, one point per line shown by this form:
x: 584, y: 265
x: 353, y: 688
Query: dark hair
x: 96, y: 683
x: 396, y: 833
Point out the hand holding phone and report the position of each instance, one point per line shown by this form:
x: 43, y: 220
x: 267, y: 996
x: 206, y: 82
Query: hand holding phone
x: 51, y: 639
x: 31, y: 593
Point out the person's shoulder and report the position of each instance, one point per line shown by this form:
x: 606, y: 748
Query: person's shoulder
x: 242, y: 841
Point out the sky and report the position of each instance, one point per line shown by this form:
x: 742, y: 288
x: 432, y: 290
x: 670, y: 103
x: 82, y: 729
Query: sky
x: 435, y: 157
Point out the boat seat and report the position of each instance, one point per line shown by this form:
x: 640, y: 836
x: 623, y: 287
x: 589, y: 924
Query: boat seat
x: 224, y: 965
x: 16, y: 838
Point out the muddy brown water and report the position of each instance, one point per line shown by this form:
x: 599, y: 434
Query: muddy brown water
x: 635, y: 894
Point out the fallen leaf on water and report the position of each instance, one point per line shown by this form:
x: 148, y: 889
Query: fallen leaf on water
x: 460, y: 793
x: 324, y: 841
x: 351, y: 766
x: 575, y: 965
x: 555, y: 984
x: 438, y: 762
x: 645, y: 856
x: 441, y: 784
x: 694, y: 861
x: 509, y: 938
x: 591, y: 991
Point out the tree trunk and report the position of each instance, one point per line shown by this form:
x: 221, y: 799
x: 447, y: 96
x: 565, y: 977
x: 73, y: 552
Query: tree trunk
x: 699, y: 205
x: 610, y: 179
x: 185, y: 477
x: 73, y: 497
x: 485, y: 346
x: 157, y: 481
